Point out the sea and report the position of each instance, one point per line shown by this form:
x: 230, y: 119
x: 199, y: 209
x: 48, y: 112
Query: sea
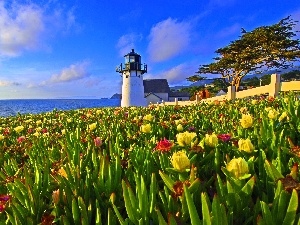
x: 36, y: 106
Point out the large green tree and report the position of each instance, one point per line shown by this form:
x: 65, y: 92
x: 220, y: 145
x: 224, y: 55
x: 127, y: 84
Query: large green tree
x: 264, y: 48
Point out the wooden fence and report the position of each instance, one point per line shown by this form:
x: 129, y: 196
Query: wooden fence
x: 272, y: 90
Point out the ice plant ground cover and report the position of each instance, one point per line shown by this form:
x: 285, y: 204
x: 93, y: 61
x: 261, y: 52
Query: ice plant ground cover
x: 217, y: 163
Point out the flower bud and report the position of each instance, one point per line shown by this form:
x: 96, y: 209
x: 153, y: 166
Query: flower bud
x: 180, y: 161
x: 211, y: 140
x: 245, y: 145
x: 148, y: 117
x: 186, y: 139
x: 272, y: 114
x: 179, y: 127
x: 238, y: 167
x: 246, y: 121
x: 55, y: 196
x: 146, y: 128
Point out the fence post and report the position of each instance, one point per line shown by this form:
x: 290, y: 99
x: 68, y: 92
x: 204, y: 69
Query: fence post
x: 231, y: 93
x: 176, y: 101
x: 197, y: 99
x: 274, y: 85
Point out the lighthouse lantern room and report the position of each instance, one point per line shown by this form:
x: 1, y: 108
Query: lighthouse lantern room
x: 132, y: 88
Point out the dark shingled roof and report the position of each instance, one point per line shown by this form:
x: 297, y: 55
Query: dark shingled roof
x: 156, y: 86
x: 179, y: 94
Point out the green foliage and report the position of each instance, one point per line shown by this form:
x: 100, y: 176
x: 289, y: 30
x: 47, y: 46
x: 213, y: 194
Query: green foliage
x: 58, y: 173
x: 264, y: 48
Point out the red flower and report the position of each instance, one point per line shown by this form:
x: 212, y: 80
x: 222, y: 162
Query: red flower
x: 21, y: 139
x: 164, y: 145
x: 6, y: 131
x: 2, y: 207
x: 224, y: 137
x: 3, y: 200
x: 98, y: 141
x: 44, y: 130
x: 47, y: 219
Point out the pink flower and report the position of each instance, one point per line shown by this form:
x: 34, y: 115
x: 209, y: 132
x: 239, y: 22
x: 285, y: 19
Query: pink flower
x: 21, y: 139
x: 44, y: 130
x: 30, y: 130
x: 98, y: 141
x: 224, y: 137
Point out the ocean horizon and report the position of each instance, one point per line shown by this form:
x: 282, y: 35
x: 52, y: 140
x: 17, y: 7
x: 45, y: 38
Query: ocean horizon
x: 13, y: 107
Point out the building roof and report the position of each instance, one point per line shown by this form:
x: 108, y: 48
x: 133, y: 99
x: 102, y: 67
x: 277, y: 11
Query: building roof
x: 179, y: 94
x: 146, y: 96
x: 156, y: 86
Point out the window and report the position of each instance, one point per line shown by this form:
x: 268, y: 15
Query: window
x: 132, y: 58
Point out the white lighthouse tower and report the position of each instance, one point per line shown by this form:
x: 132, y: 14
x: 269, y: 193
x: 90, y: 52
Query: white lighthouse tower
x: 132, y: 87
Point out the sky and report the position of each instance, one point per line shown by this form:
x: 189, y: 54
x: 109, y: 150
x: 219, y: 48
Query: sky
x: 71, y: 48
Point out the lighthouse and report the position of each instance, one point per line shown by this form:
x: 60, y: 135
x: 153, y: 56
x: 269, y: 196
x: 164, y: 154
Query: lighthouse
x: 132, y: 88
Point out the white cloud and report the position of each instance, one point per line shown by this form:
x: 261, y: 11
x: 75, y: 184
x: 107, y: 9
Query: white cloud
x: 5, y: 83
x: 73, y: 72
x: 26, y: 26
x: 177, y: 74
x: 21, y: 27
x: 168, y: 39
x: 127, y: 42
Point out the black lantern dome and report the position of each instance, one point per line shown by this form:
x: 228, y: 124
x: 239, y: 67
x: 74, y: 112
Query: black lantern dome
x: 132, y: 63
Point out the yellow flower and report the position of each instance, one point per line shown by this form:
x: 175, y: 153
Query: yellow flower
x: 272, y: 114
x: 238, y: 167
x: 146, y: 128
x: 186, y: 139
x: 92, y: 126
x: 254, y: 102
x: 211, y: 140
x: 243, y: 109
x: 18, y: 129
x: 286, y: 100
x: 245, y: 145
x: 38, y: 129
x: 1, y: 137
x: 283, y: 116
x: 177, y: 122
x: 180, y: 161
x: 69, y: 120
x: 179, y: 127
x: 246, y: 121
x: 38, y: 122
x: 62, y: 172
x: 268, y: 109
x: 148, y: 117
x: 28, y: 121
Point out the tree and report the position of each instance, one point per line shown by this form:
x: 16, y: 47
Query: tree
x: 293, y: 75
x: 195, y: 78
x: 262, y: 49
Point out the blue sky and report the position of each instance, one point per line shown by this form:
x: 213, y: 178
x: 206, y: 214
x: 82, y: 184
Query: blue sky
x: 70, y: 49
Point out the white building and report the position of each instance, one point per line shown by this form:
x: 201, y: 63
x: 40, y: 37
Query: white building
x: 139, y: 92
x: 132, y: 88
x: 158, y: 90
